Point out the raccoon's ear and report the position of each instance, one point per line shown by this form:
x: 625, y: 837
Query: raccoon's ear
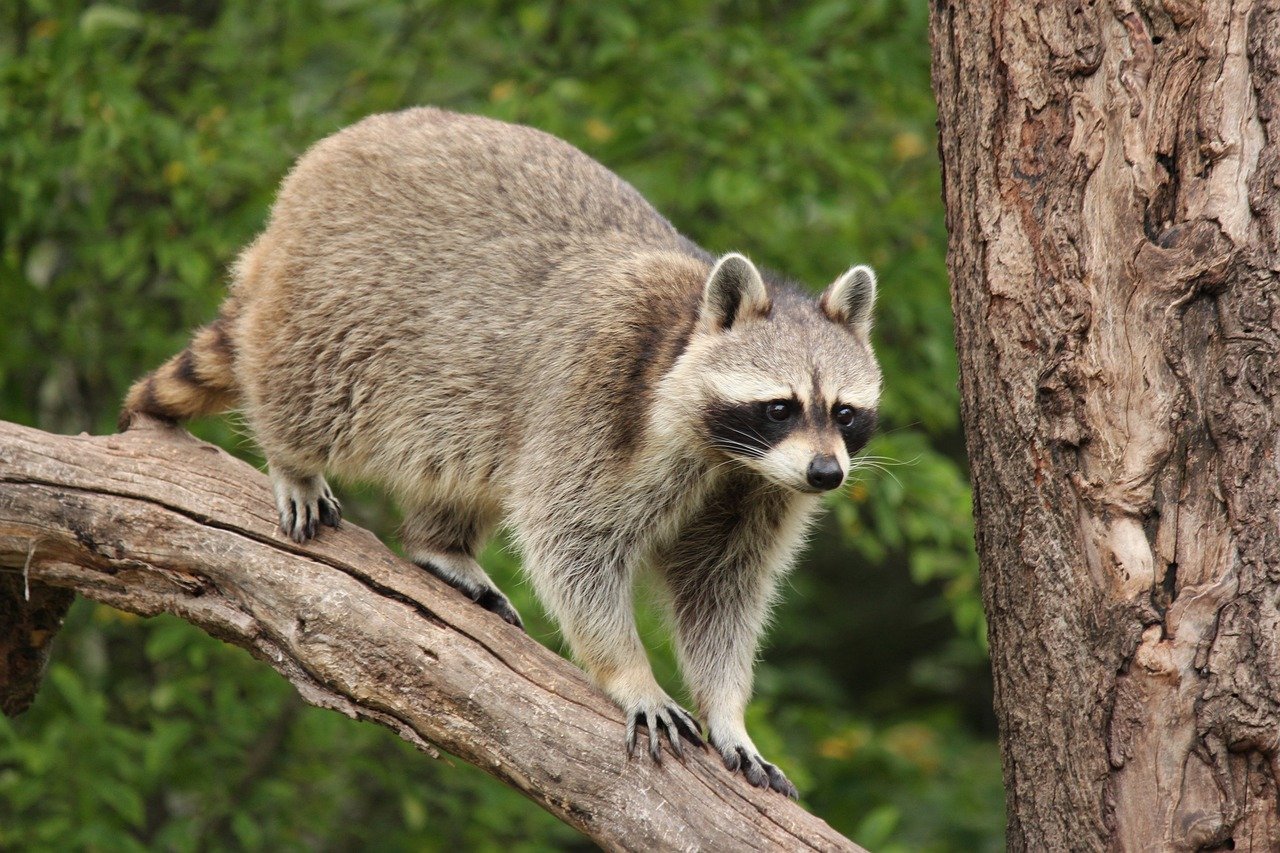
x: 850, y: 299
x: 734, y: 292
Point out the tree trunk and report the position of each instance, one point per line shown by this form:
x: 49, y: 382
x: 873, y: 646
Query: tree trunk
x: 1112, y: 185
x: 154, y: 521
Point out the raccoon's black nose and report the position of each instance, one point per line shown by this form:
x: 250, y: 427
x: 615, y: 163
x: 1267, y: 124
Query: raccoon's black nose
x: 825, y: 472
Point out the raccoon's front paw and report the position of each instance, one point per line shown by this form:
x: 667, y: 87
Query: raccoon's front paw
x: 304, y: 504
x: 739, y: 754
x: 663, y: 713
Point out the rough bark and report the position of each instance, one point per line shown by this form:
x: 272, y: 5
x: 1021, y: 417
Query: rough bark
x: 1111, y: 183
x: 155, y: 521
x: 29, y: 619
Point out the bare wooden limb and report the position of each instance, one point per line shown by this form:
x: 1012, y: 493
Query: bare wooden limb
x: 155, y: 521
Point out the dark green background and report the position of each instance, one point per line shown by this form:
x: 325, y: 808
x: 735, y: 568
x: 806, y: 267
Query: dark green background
x: 140, y: 147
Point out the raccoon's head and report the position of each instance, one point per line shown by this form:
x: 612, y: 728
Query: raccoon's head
x: 783, y: 383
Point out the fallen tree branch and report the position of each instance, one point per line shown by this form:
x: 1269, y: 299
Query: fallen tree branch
x: 154, y: 521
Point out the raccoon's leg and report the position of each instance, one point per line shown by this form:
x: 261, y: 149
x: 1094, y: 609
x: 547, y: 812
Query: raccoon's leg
x: 443, y: 539
x: 722, y: 573
x: 720, y: 613
x: 587, y: 586
x: 304, y: 502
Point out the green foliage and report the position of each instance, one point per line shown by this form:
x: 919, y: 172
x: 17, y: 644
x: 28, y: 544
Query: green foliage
x: 149, y: 735
x: 140, y: 147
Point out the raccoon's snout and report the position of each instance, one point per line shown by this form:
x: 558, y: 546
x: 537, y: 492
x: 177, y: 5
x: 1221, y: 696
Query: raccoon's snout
x: 825, y: 472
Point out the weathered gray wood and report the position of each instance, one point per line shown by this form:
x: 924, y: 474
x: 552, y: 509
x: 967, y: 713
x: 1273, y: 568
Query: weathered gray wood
x: 155, y: 521
x: 1112, y: 182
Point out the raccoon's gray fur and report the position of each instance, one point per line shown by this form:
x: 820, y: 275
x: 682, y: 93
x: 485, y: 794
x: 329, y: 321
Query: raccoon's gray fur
x: 497, y: 328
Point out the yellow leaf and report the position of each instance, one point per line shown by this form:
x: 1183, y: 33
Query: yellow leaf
x: 908, y: 146
x: 46, y: 28
x: 174, y: 172
x: 834, y: 748
x: 502, y: 90
x: 598, y: 130
x: 914, y: 743
x: 844, y: 745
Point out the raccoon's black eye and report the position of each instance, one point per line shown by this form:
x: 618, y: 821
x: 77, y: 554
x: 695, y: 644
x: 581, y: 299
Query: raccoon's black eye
x: 844, y: 415
x: 779, y: 410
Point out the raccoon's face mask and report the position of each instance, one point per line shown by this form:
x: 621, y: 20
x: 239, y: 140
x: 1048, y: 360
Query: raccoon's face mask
x: 790, y: 386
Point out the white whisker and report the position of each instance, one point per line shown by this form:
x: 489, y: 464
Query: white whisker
x: 861, y: 464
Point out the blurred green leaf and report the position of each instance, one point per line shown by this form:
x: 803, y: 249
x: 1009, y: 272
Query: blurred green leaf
x: 125, y: 802
x: 876, y: 829
x: 101, y: 17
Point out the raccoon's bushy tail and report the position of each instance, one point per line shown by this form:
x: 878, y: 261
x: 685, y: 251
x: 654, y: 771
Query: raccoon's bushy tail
x: 197, y: 381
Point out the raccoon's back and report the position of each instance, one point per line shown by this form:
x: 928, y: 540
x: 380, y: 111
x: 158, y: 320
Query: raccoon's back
x: 426, y: 282
x: 487, y: 229
x: 428, y: 173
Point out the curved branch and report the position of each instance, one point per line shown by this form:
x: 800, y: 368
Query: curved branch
x: 155, y: 521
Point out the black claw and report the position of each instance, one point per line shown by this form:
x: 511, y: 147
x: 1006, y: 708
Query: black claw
x: 673, y: 738
x: 511, y: 617
x: 757, y: 771
x: 330, y: 512
x: 777, y: 781
x: 302, y: 521
x: 496, y: 602
x: 687, y: 726
x: 751, y: 769
x: 673, y: 720
x: 289, y: 519
x: 673, y: 734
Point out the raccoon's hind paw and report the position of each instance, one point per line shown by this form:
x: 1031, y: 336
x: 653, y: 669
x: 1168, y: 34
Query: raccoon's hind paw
x: 741, y: 755
x: 464, y: 574
x: 671, y: 718
x: 330, y: 508
x: 496, y: 602
x: 304, y: 504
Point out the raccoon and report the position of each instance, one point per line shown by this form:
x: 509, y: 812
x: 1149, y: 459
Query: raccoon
x: 498, y: 329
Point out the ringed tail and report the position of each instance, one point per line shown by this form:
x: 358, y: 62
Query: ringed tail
x: 197, y: 381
